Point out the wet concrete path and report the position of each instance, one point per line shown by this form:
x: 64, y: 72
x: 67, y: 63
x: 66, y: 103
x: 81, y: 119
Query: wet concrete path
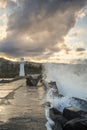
x: 20, y: 107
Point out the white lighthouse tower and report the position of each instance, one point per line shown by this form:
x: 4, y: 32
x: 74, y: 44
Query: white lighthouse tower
x: 22, y: 72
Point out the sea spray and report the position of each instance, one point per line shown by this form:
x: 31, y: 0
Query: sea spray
x: 49, y: 123
x: 57, y: 102
x: 71, y: 79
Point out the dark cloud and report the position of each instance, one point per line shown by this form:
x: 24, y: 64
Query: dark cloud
x: 39, y: 26
x: 80, y: 49
x: 10, y: 5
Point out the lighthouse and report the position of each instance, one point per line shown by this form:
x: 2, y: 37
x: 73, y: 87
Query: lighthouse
x: 22, y: 72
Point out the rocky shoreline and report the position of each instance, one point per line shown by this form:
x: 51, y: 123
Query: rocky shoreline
x: 71, y: 118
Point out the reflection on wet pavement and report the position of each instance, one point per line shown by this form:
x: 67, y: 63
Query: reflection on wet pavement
x: 23, y: 106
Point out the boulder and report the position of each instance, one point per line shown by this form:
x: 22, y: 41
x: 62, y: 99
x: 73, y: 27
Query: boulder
x: 80, y: 103
x: 71, y: 112
x: 54, y: 113
x: 32, y: 81
x: 57, y: 117
x: 57, y: 126
x: 76, y: 124
x: 54, y: 86
x: 45, y: 84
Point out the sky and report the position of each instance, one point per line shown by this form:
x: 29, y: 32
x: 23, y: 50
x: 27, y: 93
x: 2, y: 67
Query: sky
x: 43, y: 30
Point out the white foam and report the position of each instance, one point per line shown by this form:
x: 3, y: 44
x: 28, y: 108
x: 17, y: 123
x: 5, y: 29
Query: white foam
x: 50, y: 122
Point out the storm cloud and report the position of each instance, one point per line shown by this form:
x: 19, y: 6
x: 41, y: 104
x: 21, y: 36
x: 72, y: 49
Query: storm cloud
x: 38, y: 27
x: 80, y: 49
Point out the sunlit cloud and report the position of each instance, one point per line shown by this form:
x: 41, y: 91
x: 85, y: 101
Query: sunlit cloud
x: 3, y: 3
x: 82, y: 12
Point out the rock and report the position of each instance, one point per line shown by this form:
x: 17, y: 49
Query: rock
x: 32, y: 81
x: 60, y: 120
x: 54, y: 86
x: 80, y: 103
x: 45, y: 84
x: 57, y: 126
x: 57, y: 117
x: 54, y: 113
x: 76, y: 124
x: 72, y: 112
x: 48, y: 104
x: 60, y: 96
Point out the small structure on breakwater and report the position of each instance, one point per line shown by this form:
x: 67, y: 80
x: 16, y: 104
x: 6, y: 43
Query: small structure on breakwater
x: 22, y: 71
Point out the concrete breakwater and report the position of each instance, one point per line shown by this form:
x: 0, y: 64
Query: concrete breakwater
x: 20, y: 106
